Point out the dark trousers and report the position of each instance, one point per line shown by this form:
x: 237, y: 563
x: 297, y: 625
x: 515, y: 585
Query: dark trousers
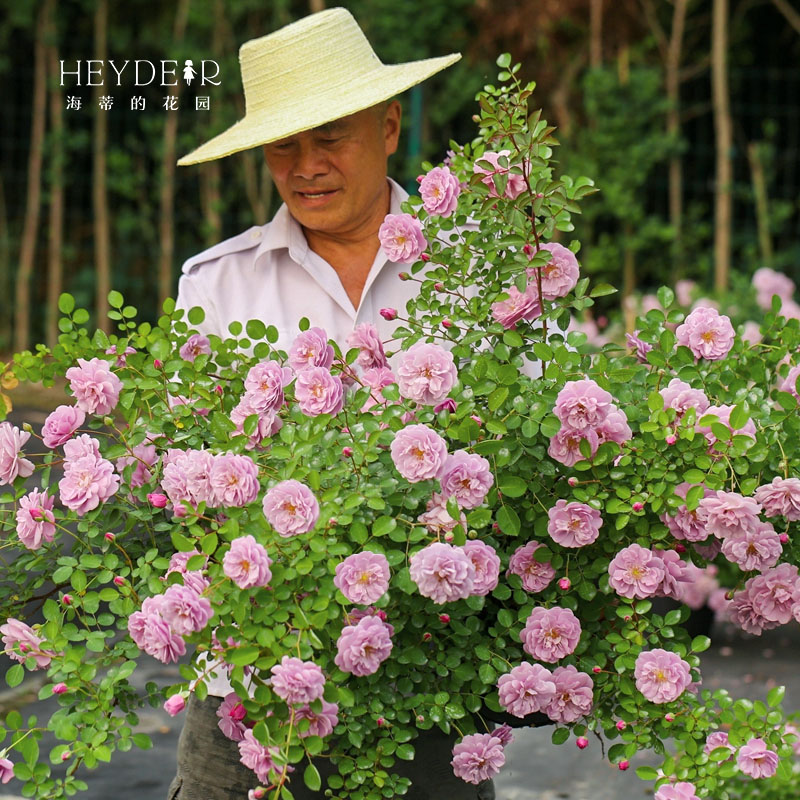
x: 209, y: 767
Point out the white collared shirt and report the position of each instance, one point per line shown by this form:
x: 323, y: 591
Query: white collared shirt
x: 269, y: 273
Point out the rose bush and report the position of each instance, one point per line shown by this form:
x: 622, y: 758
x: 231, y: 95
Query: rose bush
x: 370, y: 543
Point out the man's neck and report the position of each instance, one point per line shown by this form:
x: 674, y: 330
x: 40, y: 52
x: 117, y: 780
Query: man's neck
x: 352, y: 253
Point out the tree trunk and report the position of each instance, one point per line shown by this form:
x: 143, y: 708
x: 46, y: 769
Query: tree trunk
x: 723, y: 130
x: 167, y: 194
x: 762, y: 202
x: 596, y: 33
x: 792, y: 16
x: 55, y: 270
x: 5, y: 273
x: 316, y: 5
x: 22, y: 311
x: 672, y: 80
x: 102, y: 234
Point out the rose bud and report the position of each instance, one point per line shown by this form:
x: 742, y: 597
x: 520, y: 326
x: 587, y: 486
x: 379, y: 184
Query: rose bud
x: 596, y: 670
x: 623, y: 765
x: 565, y: 583
x: 420, y: 178
x: 671, y: 439
x: 109, y: 537
x: 425, y: 257
x: 573, y: 481
x: 60, y: 688
x: 448, y: 404
x: 157, y: 499
x: 388, y: 313
x: 119, y: 580
x: 784, y: 537
x: 426, y: 637
x: 448, y: 537
x: 66, y: 755
x: 347, y: 452
x: 621, y: 724
x: 638, y: 506
x: 439, y: 287
x: 528, y: 250
x: 380, y: 722
x: 157, y: 363
x: 218, y: 389
x: 446, y: 323
x: 581, y: 742
x: 404, y: 276
x: 444, y: 618
x: 67, y: 599
x: 669, y: 717
x: 680, y: 548
x: 174, y: 705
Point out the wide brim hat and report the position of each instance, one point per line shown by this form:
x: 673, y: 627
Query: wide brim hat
x: 311, y: 72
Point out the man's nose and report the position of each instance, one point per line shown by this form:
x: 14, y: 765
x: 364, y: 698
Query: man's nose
x: 311, y: 162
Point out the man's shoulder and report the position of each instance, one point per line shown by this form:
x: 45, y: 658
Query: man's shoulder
x: 247, y: 240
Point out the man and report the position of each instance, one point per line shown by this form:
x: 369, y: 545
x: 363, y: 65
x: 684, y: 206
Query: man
x: 319, y: 102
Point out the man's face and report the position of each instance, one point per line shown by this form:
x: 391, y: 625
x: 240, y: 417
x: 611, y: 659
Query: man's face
x: 333, y: 177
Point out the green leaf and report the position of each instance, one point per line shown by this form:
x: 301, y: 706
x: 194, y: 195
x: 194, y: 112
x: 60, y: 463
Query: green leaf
x: 602, y: 289
x: 256, y: 329
x: 312, y: 778
x: 15, y: 675
x: 646, y: 773
x: 383, y: 525
x: 504, y: 60
x: 739, y: 417
x: 560, y: 735
x: 508, y: 520
x: 182, y: 544
x: 497, y: 398
x: 405, y: 751
x: 693, y: 476
x: 115, y: 299
x: 243, y: 656
x: 775, y: 696
x: 700, y: 643
x: 66, y: 303
x: 512, y: 486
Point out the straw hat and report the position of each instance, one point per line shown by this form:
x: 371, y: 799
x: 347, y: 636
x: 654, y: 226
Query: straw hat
x: 314, y: 71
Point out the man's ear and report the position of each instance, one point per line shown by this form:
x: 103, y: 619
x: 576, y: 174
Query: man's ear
x: 391, y: 126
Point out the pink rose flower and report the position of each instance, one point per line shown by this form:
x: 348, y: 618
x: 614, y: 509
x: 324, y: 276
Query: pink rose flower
x: 789, y: 383
x: 437, y: 518
x: 439, y: 190
x: 319, y: 392
x: 321, y: 723
x: 234, y: 480
x: 573, y: 524
x: 767, y: 282
x: 257, y: 756
x: 640, y: 347
x: 682, y: 790
x: 297, y: 681
x: 723, y: 414
x: 582, y: 404
x: 696, y: 591
x: 187, y: 477
x: 707, y: 333
x: 61, y: 424
x: 368, y: 341
x: 87, y: 482
x: 467, y: 477
x: 363, y: 647
x: 745, y: 611
x: 487, y: 566
x: 775, y: 593
x: 95, y: 387
x: 442, y: 572
x: 418, y: 453
x: 560, y: 274
x: 527, y: 689
x: 291, y: 508
x: 80, y: 446
x: 174, y: 705
x: 727, y: 513
x: 565, y: 445
x: 269, y: 423
x: 426, y: 373
x: 11, y: 462
x: 680, y: 396
x: 550, y: 634
x: 716, y: 740
x: 143, y: 456
x: 781, y: 498
x: 195, y: 345
x: 311, y: 349
x: 661, y: 676
x: 519, y: 305
x: 35, y: 519
x: 756, y: 760
x: 478, y: 757
x: 22, y: 643
x: 247, y: 563
x: 231, y: 714
x: 264, y: 386
x: 685, y: 524
x: 574, y: 695
x: 6, y: 770
x: 401, y: 238
x: 515, y: 184
x: 363, y: 578
x: 152, y: 633
x: 756, y: 549
x: 683, y: 291
x: 614, y: 428
x: 536, y: 575
x: 636, y: 571
x: 375, y: 379
x: 751, y: 332
x: 676, y: 574
x: 184, y: 610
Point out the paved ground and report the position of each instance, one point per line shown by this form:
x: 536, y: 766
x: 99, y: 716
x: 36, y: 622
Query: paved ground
x: 536, y: 769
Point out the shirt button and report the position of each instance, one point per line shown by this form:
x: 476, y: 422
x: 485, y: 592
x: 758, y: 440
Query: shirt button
x: 255, y: 234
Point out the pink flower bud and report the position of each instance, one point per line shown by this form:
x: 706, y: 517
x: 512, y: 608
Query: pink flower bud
x: 448, y: 404
x: 623, y: 765
x: 638, y: 506
x: 565, y: 583
x: 404, y: 276
x: 157, y: 499
x: 174, y: 705
x: 573, y: 481
x: 528, y: 250
x: 119, y: 580
x: 67, y: 599
x: 476, y: 418
x: 439, y: 287
x: 495, y: 527
x: 671, y: 439
x: 627, y: 618
x: 157, y: 363
x: 446, y: 323
x: 345, y: 429
x: 680, y: 548
x: 347, y: 452
x: 669, y: 717
x: 426, y: 637
x: 448, y: 537
x: 259, y: 793
x: 420, y: 178
x: 380, y: 722
x: 109, y: 537
x: 621, y: 724
x: 238, y: 712
x: 444, y: 618
x: 66, y: 755
x: 388, y: 313
x: 596, y: 670
x: 425, y: 257
x: 581, y: 742
x: 218, y: 389
x: 784, y: 538
x: 420, y: 718
x: 60, y: 688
